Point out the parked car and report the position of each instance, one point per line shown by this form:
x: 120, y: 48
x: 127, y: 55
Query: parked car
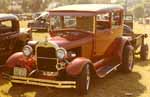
x: 12, y: 39
x: 40, y: 23
x: 93, y: 45
x: 35, y: 15
x: 128, y: 19
x: 137, y: 40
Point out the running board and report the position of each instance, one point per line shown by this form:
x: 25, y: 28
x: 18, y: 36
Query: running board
x: 103, y: 71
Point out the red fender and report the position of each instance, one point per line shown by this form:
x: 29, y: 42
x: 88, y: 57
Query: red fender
x: 116, y: 48
x: 18, y: 59
x: 124, y: 41
x: 76, y: 66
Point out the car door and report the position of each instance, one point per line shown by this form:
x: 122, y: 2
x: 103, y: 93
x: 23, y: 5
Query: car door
x: 107, y: 30
x: 8, y: 31
x: 103, y: 33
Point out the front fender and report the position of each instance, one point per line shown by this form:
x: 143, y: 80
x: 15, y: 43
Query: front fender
x: 18, y: 59
x: 76, y: 66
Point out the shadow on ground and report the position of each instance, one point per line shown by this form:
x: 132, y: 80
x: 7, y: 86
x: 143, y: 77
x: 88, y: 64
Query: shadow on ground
x: 114, y: 85
x: 139, y: 62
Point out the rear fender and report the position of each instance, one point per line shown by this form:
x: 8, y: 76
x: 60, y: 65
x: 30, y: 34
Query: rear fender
x: 116, y: 48
x: 19, y: 60
x: 123, y: 42
x: 76, y: 66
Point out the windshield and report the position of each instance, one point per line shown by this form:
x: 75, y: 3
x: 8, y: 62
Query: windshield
x: 43, y: 15
x: 84, y: 23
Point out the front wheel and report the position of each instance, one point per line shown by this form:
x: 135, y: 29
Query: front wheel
x: 83, y: 82
x: 127, y: 60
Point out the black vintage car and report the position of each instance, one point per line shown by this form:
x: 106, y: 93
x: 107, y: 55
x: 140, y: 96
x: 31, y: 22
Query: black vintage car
x: 138, y: 40
x: 40, y: 23
x: 12, y: 38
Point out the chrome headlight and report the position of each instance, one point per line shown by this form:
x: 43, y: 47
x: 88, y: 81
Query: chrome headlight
x: 27, y: 50
x: 61, y: 52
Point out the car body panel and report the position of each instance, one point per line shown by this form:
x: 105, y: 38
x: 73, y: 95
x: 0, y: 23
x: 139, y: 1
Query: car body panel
x: 76, y: 66
x: 18, y: 59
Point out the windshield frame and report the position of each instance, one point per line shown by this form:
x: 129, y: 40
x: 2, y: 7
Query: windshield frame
x: 93, y: 19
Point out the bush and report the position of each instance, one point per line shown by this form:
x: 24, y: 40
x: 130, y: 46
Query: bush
x: 138, y: 11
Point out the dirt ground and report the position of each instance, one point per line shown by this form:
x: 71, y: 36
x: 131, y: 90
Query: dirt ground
x: 136, y: 84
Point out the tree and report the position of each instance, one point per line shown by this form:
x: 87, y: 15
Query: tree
x: 138, y: 11
x: 25, y: 5
x: 4, y: 5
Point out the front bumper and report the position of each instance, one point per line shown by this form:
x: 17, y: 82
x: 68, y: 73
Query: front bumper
x: 40, y: 82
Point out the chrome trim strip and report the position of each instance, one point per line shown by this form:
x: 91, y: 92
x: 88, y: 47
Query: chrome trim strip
x: 43, y: 82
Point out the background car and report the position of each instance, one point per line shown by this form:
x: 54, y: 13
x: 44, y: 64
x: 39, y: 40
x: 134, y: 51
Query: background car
x: 12, y: 38
x: 39, y: 23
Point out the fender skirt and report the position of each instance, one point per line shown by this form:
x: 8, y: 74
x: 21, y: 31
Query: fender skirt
x: 19, y: 60
x: 76, y: 66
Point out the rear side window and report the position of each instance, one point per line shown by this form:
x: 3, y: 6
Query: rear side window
x: 116, y: 19
x: 103, y: 21
x: 6, y: 24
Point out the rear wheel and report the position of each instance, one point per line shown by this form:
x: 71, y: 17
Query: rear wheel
x: 83, y: 82
x: 127, y: 60
x: 144, y: 52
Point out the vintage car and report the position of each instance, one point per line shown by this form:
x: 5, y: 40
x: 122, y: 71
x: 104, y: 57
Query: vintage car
x: 40, y: 23
x: 137, y: 39
x: 12, y: 39
x: 93, y: 45
x: 128, y: 20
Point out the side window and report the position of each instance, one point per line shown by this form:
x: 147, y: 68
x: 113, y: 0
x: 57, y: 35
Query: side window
x: 5, y: 26
x: 116, y: 19
x: 103, y: 21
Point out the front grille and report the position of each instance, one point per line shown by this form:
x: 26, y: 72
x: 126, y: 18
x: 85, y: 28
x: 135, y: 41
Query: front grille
x: 49, y: 52
x: 46, y: 59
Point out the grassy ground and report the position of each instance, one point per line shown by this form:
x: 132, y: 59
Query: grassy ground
x: 136, y: 84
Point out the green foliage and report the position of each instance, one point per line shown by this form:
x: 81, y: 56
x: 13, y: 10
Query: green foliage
x: 39, y: 5
x: 4, y: 4
x: 138, y: 11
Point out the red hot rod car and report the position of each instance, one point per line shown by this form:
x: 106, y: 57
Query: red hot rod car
x: 86, y: 40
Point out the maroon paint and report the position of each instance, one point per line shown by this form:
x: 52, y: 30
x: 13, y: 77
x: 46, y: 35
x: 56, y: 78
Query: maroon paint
x: 71, y: 41
x: 76, y: 66
x: 18, y: 59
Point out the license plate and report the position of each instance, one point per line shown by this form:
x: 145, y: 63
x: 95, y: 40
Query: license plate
x: 18, y: 71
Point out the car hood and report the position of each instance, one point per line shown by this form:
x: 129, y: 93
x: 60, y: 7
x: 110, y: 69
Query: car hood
x: 68, y: 44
